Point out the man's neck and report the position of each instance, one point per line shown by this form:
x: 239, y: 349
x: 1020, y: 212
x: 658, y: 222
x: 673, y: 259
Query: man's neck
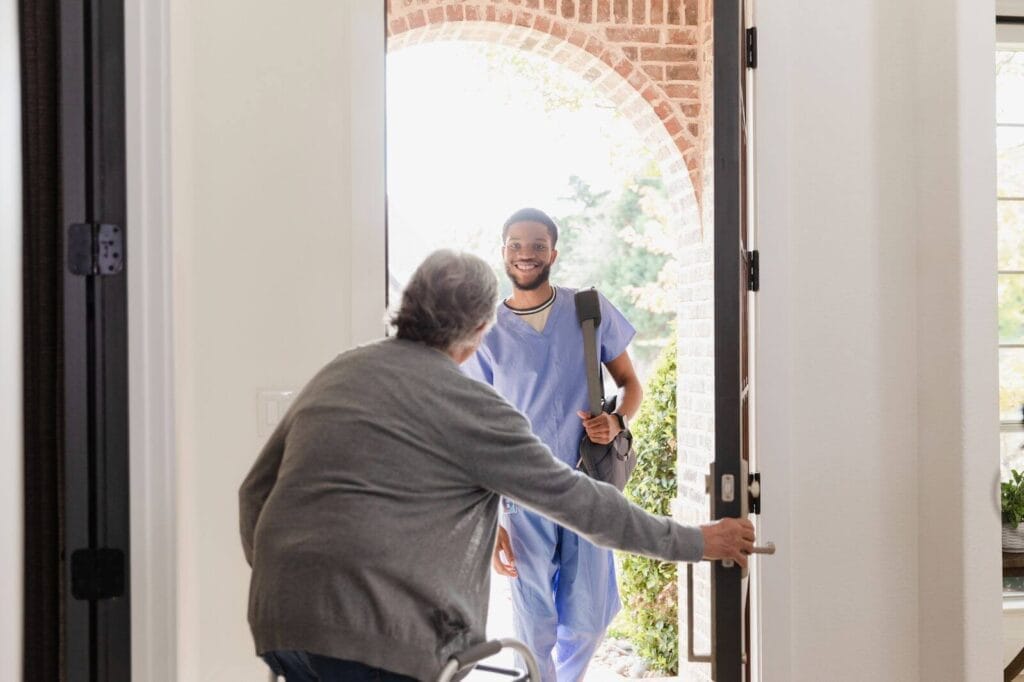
x: 524, y: 300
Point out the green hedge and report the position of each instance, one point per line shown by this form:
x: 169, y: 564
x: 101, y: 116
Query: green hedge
x: 649, y: 588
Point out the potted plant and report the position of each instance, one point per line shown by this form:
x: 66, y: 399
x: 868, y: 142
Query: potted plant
x: 1013, y: 512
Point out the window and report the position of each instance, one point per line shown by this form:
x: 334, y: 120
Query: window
x: 1010, y: 234
x: 1010, y: 201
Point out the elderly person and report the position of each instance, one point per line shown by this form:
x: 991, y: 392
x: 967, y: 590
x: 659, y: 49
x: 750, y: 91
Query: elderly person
x: 369, y: 517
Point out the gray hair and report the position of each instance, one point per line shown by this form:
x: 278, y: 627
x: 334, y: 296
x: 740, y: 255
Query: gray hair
x: 447, y: 299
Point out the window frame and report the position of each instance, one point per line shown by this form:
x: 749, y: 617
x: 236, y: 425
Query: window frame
x: 1009, y: 37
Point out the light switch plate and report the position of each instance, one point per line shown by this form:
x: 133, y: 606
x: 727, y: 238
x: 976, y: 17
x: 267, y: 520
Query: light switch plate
x: 271, y: 407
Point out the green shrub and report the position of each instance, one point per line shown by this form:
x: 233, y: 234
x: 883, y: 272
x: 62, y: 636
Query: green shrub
x: 1013, y: 498
x: 649, y: 587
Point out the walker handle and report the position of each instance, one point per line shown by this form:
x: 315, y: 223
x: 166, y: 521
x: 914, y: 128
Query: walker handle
x: 477, y: 653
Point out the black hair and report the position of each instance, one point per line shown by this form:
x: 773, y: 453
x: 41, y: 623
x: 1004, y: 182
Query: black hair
x: 531, y: 215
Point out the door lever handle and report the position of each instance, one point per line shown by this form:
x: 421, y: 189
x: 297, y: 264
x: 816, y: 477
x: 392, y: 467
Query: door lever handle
x: 768, y: 548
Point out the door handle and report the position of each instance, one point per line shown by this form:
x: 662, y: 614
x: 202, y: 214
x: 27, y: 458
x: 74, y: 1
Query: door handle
x: 750, y: 502
x: 692, y: 655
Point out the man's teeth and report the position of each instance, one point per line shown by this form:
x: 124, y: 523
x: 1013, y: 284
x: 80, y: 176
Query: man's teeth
x: 526, y: 266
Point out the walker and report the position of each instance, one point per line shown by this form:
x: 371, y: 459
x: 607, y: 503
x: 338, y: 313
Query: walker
x: 474, y: 654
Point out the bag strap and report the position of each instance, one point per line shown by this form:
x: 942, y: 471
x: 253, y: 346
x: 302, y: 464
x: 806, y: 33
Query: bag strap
x: 588, y: 312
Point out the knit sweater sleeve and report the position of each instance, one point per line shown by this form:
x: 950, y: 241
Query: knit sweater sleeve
x: 257, y: 486
x: 508, y: 459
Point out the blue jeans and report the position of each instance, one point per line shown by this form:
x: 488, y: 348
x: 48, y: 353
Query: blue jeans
x: 302, y: 666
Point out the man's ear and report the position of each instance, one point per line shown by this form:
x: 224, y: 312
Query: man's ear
x: 554, y: 256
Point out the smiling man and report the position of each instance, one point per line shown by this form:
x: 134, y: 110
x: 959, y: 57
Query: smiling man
x: 563, y: 587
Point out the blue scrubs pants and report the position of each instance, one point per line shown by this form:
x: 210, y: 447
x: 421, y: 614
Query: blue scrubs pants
x: 565, y: 595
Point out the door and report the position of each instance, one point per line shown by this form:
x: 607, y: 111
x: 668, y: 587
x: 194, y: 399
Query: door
x: 98, y: 627
x: 734, y: 487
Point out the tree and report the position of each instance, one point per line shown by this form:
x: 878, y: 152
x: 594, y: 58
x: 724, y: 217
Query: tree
x: 620, y: 243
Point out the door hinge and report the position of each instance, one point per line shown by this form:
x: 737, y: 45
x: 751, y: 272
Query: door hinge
x: 95, y: 249
x: 752, y: 47
x: 753, y: 271
x: 97, y: 574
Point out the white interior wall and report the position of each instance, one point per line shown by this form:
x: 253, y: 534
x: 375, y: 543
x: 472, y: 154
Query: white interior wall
x: 276, y: 183
x: 11, y: 446
x: 877, y: 340
x: 960, y: 582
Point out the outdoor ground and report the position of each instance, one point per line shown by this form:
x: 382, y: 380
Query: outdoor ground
x: 613, y: 662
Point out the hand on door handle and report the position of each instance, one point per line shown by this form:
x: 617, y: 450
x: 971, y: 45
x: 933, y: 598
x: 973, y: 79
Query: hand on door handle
x: 728, y: 539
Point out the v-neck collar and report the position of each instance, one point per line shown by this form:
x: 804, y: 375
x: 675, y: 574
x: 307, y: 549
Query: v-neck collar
x: 525, y: 328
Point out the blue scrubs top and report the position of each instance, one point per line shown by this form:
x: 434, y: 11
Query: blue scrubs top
x: 542, y: 373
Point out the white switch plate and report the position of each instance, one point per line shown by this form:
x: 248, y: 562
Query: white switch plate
x: 271, y: 406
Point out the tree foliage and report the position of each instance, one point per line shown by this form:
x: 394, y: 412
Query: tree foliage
x: 649, y: 587
x: 620, y: 243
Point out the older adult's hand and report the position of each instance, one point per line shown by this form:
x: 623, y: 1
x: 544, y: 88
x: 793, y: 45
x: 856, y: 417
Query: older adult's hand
x: 728, y: 539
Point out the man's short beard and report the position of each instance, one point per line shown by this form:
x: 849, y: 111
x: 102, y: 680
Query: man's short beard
x: 538, y: 282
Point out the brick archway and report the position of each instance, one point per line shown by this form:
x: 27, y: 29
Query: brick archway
x: 649, y: 71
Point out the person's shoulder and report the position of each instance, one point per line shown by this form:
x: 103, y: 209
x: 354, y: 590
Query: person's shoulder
x: 606, y: 303
x: 502, y: 318
x: 389, y: 354
x: 566, y: 296
x: 565, y: 292
x: 467, y: 390
x: 569, y: 293
x: 373, y: 349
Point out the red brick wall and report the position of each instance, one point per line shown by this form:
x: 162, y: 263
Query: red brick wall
x: 653, y: 45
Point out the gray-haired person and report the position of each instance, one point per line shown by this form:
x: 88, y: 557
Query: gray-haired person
x: 370, y: 515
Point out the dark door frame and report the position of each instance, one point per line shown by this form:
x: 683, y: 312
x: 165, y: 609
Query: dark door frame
x: 731, y: 272
x: 76, y: 429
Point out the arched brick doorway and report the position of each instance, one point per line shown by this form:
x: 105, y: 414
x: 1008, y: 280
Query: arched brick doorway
x: 650, y: 72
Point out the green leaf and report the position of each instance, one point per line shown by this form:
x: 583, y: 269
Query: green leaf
x: 1012, y: 498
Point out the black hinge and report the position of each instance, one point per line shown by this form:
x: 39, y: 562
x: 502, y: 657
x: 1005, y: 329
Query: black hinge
x: 95, y: 249
x: 753, y: 271
x: 97, y: 574
x: 752, y: 47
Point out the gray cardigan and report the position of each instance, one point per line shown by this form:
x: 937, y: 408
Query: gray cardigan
x: 370, y: 515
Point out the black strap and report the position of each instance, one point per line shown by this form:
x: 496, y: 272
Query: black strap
x: 588, y: 312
